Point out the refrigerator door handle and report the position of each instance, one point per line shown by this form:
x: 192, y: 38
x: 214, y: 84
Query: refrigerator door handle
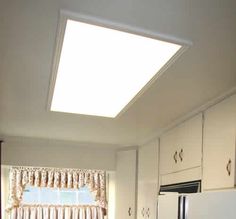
x: 182, y: 207
x: 185, y: 207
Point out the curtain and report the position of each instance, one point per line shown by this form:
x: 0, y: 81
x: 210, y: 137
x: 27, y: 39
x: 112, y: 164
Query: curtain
x: 56, y: 212
x: 55, y: 178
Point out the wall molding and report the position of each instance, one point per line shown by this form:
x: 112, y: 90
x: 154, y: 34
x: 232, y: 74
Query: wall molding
x: 191, y: 114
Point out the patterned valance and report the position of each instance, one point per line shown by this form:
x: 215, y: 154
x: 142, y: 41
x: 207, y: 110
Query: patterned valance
x: 56, y: 212
x: 56, y: 178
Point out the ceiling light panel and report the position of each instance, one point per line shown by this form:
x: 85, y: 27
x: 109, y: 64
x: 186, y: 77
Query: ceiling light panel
x: 101, y: 70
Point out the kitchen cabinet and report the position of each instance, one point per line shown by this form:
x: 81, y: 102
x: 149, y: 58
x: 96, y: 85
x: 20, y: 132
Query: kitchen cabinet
x: 147, y: 180
x: 181, y: 147
x: 219, y: 145
x: 188, y: 175
x: 126, y: 184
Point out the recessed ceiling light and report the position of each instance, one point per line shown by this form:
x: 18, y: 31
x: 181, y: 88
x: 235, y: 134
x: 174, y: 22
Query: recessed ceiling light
x: 101, y: 70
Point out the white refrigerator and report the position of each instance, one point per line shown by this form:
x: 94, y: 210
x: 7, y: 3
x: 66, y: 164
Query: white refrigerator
x: 206, y: 205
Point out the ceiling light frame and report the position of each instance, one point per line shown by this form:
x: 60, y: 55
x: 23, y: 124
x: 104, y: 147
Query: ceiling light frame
x: 66, y: 15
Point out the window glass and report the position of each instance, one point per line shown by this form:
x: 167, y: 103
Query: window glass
x: 68, y: 196
x: 85, y: 196
x: 30, y: 195
x: 36, y: 195
x: 47, y: 195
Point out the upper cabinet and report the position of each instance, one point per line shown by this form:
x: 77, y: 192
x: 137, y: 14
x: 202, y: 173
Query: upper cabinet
x: 181, y: 147
x: 219, y: 145
x: 126, y: 184
x: 147, y: 180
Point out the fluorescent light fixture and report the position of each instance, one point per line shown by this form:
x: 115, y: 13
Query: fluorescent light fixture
x: 101, y: 70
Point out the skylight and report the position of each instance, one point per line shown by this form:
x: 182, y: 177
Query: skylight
x: 101, y: 70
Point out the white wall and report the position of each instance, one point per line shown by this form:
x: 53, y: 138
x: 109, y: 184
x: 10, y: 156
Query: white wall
x: 53, y: 153
x: 111, y: 194
x: 4, y: 189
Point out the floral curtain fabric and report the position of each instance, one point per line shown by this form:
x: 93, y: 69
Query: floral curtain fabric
x: 56, y: 212
x: 56, y: 178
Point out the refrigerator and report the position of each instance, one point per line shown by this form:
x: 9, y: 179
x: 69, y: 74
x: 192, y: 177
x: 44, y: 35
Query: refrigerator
x: 205, y: 205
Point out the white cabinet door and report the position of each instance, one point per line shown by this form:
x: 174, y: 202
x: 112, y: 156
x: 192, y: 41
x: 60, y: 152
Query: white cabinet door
x: 141, y: 207
x: 189, y: 143
x: 151, y: 199
x: 219, y: 145
x: 168, y: 152
x: 147, y: 181
x: 181, y: 147
x: 125, y: 184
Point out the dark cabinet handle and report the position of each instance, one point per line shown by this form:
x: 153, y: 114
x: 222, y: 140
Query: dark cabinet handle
x: 181, y: 154
x: 129, y: 211
x: 175, y: 156
x: 228, y: 167
x: 142, y: 212
x: 148, y: 213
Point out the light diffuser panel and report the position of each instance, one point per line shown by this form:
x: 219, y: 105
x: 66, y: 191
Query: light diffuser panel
x: 101, y: 70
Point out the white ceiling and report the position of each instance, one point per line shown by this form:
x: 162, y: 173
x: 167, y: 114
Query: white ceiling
x: 27, y: 40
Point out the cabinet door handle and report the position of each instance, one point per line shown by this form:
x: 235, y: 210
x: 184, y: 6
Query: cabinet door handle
x: 129, y: 211
x: 181, y: 154
x: 148, y: 213
x: 175, y: 156
x: 142, y: 212
x: 228, y: 167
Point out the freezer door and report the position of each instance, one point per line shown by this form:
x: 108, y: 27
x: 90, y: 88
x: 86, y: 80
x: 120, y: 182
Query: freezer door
x: 212, y: 205
x: 168, y: 206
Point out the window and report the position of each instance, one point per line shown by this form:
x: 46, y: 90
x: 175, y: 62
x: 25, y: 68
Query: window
x: 48, y: 191
x: 40, y: 195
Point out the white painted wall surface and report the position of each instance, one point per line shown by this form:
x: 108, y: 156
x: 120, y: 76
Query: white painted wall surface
x: 52, y: 153
x: 4, y: 189
x: 111, y: 194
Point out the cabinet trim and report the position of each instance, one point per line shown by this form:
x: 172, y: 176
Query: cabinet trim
x: 181, y: 176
